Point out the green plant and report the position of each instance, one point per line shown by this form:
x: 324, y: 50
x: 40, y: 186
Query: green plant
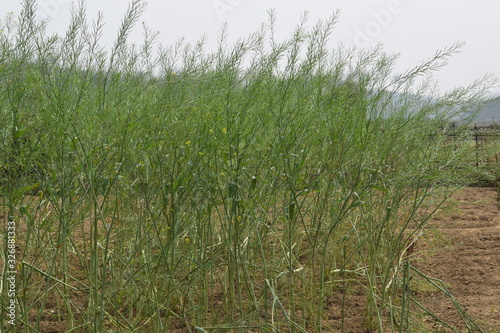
x: 232, y: 190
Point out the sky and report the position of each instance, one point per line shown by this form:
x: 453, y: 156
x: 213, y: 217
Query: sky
x: 415, y: 30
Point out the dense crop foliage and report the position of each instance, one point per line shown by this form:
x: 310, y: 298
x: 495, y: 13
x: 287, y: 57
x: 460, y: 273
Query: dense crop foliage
x: 251, y: 187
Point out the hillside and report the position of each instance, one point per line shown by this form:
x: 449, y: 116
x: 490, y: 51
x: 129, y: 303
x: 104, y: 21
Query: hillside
x: 489, y: 114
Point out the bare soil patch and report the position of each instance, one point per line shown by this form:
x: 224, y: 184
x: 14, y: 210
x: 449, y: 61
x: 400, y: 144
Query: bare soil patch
x: 466, y: 257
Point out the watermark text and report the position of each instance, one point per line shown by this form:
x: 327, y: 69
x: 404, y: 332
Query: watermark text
x: 222, y: 7
x: 381, y: 19
x: 11, y: 272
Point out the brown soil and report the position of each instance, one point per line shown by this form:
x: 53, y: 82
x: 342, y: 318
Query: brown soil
x: 460, y: 251
x: 466, y: 234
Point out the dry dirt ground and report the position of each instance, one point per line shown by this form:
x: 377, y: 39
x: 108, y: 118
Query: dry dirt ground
x: 461, y: 247
x: 465, y: 235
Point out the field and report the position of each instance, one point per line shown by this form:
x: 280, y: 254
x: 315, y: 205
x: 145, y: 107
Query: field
x: 463, y: 253
x: 268, y: 186
x: 459, y: 250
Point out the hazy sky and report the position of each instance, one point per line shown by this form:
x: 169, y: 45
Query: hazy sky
x: 415, y: 29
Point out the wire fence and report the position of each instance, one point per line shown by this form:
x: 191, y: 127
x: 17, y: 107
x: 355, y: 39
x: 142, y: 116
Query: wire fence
x: 486, y: 141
